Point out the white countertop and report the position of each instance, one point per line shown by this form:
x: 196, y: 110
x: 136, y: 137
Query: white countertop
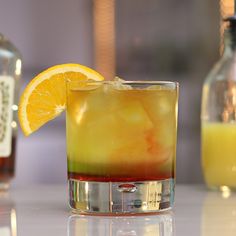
x: 43, y: 211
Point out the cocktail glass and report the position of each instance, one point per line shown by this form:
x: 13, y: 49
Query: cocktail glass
x: 121, y: 146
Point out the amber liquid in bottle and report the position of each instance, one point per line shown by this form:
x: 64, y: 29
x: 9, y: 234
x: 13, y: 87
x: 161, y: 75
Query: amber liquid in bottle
x: 7, y: 164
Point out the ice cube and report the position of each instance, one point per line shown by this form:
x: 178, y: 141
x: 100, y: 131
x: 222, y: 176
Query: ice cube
x: 132, y: 152
x: 118, y: 84
x: 160, y: 105
x: 93, y: 141
x: 164, y: 105
x: 84, y: 85
x: 134, y: 116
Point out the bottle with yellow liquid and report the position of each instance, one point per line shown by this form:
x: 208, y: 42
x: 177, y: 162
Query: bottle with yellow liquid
x: 218, y: 118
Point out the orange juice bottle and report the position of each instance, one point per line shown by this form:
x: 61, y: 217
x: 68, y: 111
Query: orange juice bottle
x: 219, y: 117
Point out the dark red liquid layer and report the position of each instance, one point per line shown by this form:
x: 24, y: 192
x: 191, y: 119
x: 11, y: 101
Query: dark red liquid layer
x: 7, y: 164
x: 95, y: 178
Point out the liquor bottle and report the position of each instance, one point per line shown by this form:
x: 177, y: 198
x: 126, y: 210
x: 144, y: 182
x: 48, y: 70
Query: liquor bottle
x: 218, y: 117
x: 10, y: 73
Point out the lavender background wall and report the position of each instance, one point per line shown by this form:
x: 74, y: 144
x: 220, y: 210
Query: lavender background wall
x: 164, y: 40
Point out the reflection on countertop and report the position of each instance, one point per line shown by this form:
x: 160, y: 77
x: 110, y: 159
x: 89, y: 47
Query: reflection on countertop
x: 8, y: 220
x: 219, y: 214
x: 43, y: 210
x: 156, y: 225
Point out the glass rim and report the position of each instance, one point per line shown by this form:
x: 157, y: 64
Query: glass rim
x: 175, y: 84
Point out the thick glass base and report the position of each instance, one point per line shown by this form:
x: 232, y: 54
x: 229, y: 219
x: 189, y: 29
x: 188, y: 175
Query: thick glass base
x: 107, y: 198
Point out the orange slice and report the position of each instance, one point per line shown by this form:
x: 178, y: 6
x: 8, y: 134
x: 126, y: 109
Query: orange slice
x: 44, y: 98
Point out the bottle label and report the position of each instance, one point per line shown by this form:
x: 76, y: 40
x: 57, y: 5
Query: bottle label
x: 6, y: 102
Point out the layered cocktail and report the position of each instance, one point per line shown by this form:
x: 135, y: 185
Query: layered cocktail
x: 121, y: 145
x: 121, y: 137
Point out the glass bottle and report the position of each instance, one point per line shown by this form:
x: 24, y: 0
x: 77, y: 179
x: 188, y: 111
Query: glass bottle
x: 10, y: 73
x: 218, y: 118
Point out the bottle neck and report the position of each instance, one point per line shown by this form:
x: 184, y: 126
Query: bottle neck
x: 229, y: 42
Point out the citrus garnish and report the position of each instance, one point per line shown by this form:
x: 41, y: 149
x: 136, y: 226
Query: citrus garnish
x: 44, y: 98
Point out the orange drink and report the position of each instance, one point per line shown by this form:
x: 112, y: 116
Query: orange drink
x: 219, y: 154
x: 121, y: 134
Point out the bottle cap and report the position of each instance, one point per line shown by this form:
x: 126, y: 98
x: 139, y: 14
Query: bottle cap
x: 232, y: 21
x: 232, y: 29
